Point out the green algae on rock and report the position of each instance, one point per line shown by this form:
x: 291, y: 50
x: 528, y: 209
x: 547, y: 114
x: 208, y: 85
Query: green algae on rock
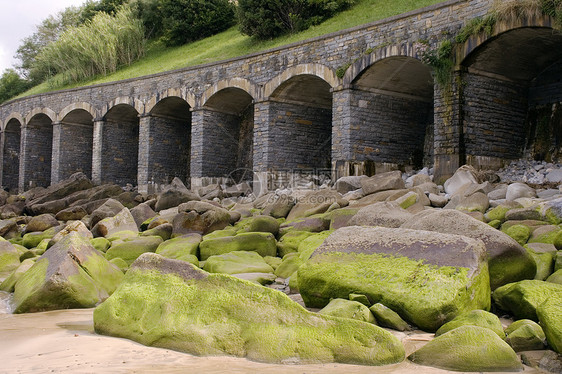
x: 480, y: 318
x: 129, y: 250
x: 71, y: 274
x: 263, y: 243
x: 523, y: 298
x: 525, y: 335
x: 550, y: 317
x: 468, y: 348
x: 171, y: 304
x: 348, y: 309
x: 427, y: 278
x: 387, y: 317
x: 237, y: 262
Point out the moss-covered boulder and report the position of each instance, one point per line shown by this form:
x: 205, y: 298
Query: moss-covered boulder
x: 290, y: 264
x: 181, y: 247
x: 257, y: 278
x: 428, y: 278
x: 314, y: 202
x: 263, y: 243
x: 544, y: 234
x: 32, y: 239
x: 75, y: 226
x: 164, y: 231
x: 550, y: 317
x: 289, y: 242
x: 480, y: 318
x: 523, y: 298
x: 348, y: 309
x: 9, y: 258
x: 259, y: 223
x: 543, y: 255
x: 499, y: 212
x: 130, y: 249
x: 71, y: 274
x: 122, y: 221
x: 385, y: 214
x: 508, y: 261
x: 171, y: 304
x: 468, y: 348
x: 519, y: 233
x: 101, y: 244
x: 199, y: 217
x: 387, y: 317
x: 309, y: 245
x: 525, y: 335
x: 555, y: 277
x: 236, y: 263
x: 315, y: 223
x: 8, y: 284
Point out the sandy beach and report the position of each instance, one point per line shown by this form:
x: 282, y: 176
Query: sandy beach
x: 64, y: 341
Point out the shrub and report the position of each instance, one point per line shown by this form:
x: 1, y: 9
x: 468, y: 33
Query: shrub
x: 11, y: 84
x: 188, y: 20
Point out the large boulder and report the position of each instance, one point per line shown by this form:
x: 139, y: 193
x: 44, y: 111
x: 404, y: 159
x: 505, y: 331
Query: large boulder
x: 183, y: 248
x: 550, y: 317
x: 347, y: 184
x: 172, y: 304
x: 71, y: 274
x: 141, y: 213
x: 385, y: 214
x: 76, y: 182
x: 130, y: 249
x: 108, y: 209
x: 480, y: 318
x: 523, y: 298
x: 41, y: 222
x: 122, y: 221
x: 199, y: 217
x: 348, y: 309
x: 237, y: 262
x: 263, y: 243
x: 9, y: 258
x: 508, y: 260
x: 465, y: 175
x: 391, y: 180
x: 525, y: 335
x: 468, y: 348
x: 427, y: 278
x: 174, y: 197
x: 261, y: 223
x: 518, y: 190
x: 315, y: 202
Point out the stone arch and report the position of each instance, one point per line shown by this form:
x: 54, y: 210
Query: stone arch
x: 74, y: 138
x: 165, y: 142
x: 181, y: 93
x: 37, y: 111
x: 321, y: 71
x: 120, y: 144
x: 14, y: 116
x: 37, y: 148
x: 138, y: 105
x: 11, y: 152
x: 243, y: 84
x: 512, y: 93
x: 393, y: 50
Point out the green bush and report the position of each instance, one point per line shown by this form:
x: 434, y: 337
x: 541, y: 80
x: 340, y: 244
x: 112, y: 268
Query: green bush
x: 11, y: 84
x: 188, y: 20
x: 266, y: 19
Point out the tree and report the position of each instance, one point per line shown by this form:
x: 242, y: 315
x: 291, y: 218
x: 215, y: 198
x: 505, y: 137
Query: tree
x: 91, y: 8
x: 11, y: 84
x: 188, y: 20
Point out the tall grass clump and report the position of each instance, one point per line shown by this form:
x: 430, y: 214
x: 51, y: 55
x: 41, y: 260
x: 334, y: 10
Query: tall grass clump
x: 99, y: 46
x: 517, y: 10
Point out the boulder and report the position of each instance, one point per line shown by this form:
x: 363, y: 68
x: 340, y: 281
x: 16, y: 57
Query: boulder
x: 519, y: 233
x: 314, y: 202
x: 391, y: 180
x: 108, y: 209
x: 289, y: 242
x: 463, y: 176
x: 71, y: 274
x: 348, y: 309
x: 259, y: 223
x: 498, y: 193
x: 316, y: 223
x: 387, y: 317
x: 340, y: 217
x: 141, y: 213
x: 543, y: 255
x: 480, y: 318
x: 438, y: 201
x: 164, y: 231
x: 7, y: 225
x: 181, y: 247
x: 236, y: 263
x: 9, y: 283
x: 122, y: 221
x: 499, y: 212
x: 550, y: 317
x: 508, y: 260
x: 477, y: 202
x: 551, y: 211
x: 525, y: 335
x: 555, y: 277
x: 174, y: 197
x: 278, y: 206
x: 199, y: 217
x: 41, y: 223
x: 385, y: 214
x: 518, y: 190
x: 290, y: 264
x: 101, y: 244
x: 468, y: 348
x: 258, y: 278
x: 71, y: 214
x: 130, y: 249
x: 172, y: 304
x: 76, y: 226
x: 523, y: 298
x: 347, y: 184
x: 428, y: 278
x: 9, y: 258
x: 263, y: 243
x: 76, y: 182
x: 520, y: 214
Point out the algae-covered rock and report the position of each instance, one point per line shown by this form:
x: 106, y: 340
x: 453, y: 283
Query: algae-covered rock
x: 101, y: 244
x: 180, y: 247
x: 131, y: 249
x: 428, y: 278
x: 8, y: 284
x: 289, y: 242
x: 387, y: 317
x: 9, y: 257
x: 474, y: 318
x: 508, y: 261
x: 519, y: 233
x: 550, y: 317
x: 263, y: 243
x: 237, y: 262
x: 348, y: 309
x: 258, y: 224
x: 164, y: 231
x: 120, y: 263
x: 363, y: 299
x: 555, y: 277
x: 122, y: 221
x: 309, y: 245
x: 543, y: 257
x: 171, y: 304
x: 290, y: 264
x: 525, y: 335
x: 71, y: 274
x: 258, y: 278
x: 523, y: 298
x: 274, y: 262
x: 315, y: 223
x: 468, y: 348
x: 32, y: 239
x: 76, y: 226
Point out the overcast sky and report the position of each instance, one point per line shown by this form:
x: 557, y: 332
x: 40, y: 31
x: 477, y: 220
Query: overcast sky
x: 18, y: 19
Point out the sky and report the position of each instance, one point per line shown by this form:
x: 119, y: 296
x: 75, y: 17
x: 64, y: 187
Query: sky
x: 18, y: 19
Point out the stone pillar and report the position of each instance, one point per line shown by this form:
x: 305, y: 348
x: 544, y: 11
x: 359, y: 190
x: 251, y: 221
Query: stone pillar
x: 144, y: 154
x: 2, y: 141
x: 197, y: 148
x: 341, y: 142
x: 97, y: 151
x: 23, y: 158
x: 448, y: 131
x: 56, y: 153
x: 262, y: 123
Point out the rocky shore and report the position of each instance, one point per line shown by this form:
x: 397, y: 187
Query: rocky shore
x: 344, y: 274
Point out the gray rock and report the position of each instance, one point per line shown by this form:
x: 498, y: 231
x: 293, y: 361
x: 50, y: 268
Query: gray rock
x: 438, y: 201
x: 122, y: 221
x: 347, y: 184
x: 391, y: 180
x: 385, y: 214
x: 108, y: 209
x: 498, y: 193
x: 518, y: 190
x: 463, y: 176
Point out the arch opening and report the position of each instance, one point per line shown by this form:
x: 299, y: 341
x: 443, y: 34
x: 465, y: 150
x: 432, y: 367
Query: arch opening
x: 301, y: 127
x: 169, y: 134
x: 76, y: 144
x: 120, y: 146
x: 392, y: 114
x: 229, y: 132
x: 11, y: 161
x: 38, y: 151
x: 512, y: 97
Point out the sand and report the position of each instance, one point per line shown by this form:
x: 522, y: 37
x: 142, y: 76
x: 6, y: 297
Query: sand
x: 64, y: 341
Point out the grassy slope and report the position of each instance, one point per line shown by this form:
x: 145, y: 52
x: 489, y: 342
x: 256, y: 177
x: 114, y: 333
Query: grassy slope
x: 231, y: 43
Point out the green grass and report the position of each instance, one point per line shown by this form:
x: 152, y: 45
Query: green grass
x: 232, y: 43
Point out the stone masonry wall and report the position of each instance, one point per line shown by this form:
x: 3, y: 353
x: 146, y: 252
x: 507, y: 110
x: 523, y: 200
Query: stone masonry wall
x: 120, y: 153
x: 38, y: 144
x: 11, y: 158
x: 75, y: 150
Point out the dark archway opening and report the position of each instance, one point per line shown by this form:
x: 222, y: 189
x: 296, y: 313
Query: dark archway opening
x: 76, y: 144
x: 11, y: 165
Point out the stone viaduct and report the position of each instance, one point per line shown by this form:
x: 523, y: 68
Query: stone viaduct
x: 352, y: 102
